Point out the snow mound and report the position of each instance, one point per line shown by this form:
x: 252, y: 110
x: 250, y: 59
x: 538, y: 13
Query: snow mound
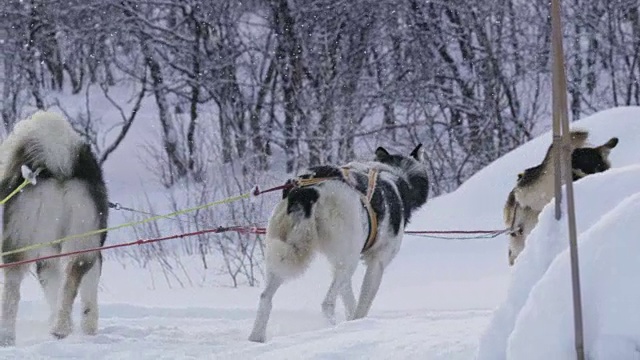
x: 549, y: 239
x: 609, y: 263
x: 537, y: 312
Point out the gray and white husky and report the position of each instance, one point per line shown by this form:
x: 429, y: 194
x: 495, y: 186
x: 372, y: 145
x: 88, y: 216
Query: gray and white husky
x: 333, y: 218
x: 69, y: 197
x: 535, y: 186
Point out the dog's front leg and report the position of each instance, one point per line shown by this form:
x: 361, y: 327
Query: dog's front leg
x: 259, y: 333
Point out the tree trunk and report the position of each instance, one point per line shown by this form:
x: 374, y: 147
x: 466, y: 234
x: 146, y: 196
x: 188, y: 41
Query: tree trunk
x: 195, y: 95
x: 288, y: 54
x: 169, y: 136
x: 257, y: 137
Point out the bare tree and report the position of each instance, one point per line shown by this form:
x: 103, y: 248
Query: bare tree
x: 247, y: 91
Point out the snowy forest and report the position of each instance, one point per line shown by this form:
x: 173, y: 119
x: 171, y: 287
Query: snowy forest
x: 277, y: 85
x: 314, y: 77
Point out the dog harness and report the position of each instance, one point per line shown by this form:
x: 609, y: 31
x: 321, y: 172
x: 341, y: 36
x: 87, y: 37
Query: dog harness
x: 366, y: 202
x: 364, y: 198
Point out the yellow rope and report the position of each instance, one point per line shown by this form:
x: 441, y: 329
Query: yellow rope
x: 300, y: 182
x: 14, y: 192
x: 311, y: 181
x: 373, y: 217
x: 129, y: 224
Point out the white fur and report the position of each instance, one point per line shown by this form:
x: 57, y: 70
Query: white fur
x: 45, y: 212
x: 527, y: 219
x: 539, y: 195
x: 337, y: 228
x: 55, y: 136
x: 532, y: 198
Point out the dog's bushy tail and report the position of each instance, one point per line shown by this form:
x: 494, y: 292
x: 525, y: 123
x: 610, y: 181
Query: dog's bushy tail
x: 44, y: 140
x: 292, y: 233
x: 300, y: 202
x: 578, y: 139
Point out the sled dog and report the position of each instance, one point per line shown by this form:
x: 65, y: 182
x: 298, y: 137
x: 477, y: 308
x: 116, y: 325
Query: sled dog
x: 535, y: 186
x: 68, y: 196
x: 346, y: 213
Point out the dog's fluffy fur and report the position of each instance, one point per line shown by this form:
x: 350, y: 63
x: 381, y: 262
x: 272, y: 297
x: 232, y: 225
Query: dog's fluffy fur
x: 329, y: 218
x: 535, y: 186
x: 69, y: 198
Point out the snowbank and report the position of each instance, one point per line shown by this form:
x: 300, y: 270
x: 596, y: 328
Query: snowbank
x: 595, y: 196
x: 609, y: 264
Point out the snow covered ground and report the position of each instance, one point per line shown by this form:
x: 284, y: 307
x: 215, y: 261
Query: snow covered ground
x: 436, y: 300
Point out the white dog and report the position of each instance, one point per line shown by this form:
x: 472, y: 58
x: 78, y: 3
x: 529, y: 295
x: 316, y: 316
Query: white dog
x: 356, y: 211
x: 68, y: 198
x: 535, y: 186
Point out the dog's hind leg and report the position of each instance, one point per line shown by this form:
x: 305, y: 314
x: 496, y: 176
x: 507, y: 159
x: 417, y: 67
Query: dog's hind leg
x: 259, y: 332
x: 76, y: 268
x: 89, y: 298
x: 341, y: 277
x: 13, y: 276
x: 48, y: 272
x: 348, y: 299
x: 370, y: 286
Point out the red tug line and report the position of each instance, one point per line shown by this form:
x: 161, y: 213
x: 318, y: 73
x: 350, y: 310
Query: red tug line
x: 239, y: 229
x: 221, y: 229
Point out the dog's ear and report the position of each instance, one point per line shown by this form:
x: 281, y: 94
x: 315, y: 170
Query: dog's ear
x: 578, y: 138
x: 611, y: 143
x: 418, y: 153
x: 382, y: 154
x: 605, y: 148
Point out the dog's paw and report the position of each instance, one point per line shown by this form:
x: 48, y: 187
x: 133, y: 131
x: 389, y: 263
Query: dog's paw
x: 348, y: 316
x: 329, y: 311
x: 89, y: 328
x: 7, y: 339
x: 89, y: 322
x: 331, y: 319
x: 61, y: 329
x: 259, y: 338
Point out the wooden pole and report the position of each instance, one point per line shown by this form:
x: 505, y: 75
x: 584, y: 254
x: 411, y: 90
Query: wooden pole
x: 562, y: 163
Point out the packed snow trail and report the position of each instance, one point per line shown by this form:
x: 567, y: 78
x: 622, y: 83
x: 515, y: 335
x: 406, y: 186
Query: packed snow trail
x: 132, y: 332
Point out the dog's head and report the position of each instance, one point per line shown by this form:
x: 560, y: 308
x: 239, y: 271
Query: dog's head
x: 413, y: 162
x: 591, y: 160
x: 412, y: 169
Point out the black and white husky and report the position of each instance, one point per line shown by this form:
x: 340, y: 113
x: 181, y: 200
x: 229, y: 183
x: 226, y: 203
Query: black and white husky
x: 535, y: 186
x: 69, y: 197
x: 359, y: 210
